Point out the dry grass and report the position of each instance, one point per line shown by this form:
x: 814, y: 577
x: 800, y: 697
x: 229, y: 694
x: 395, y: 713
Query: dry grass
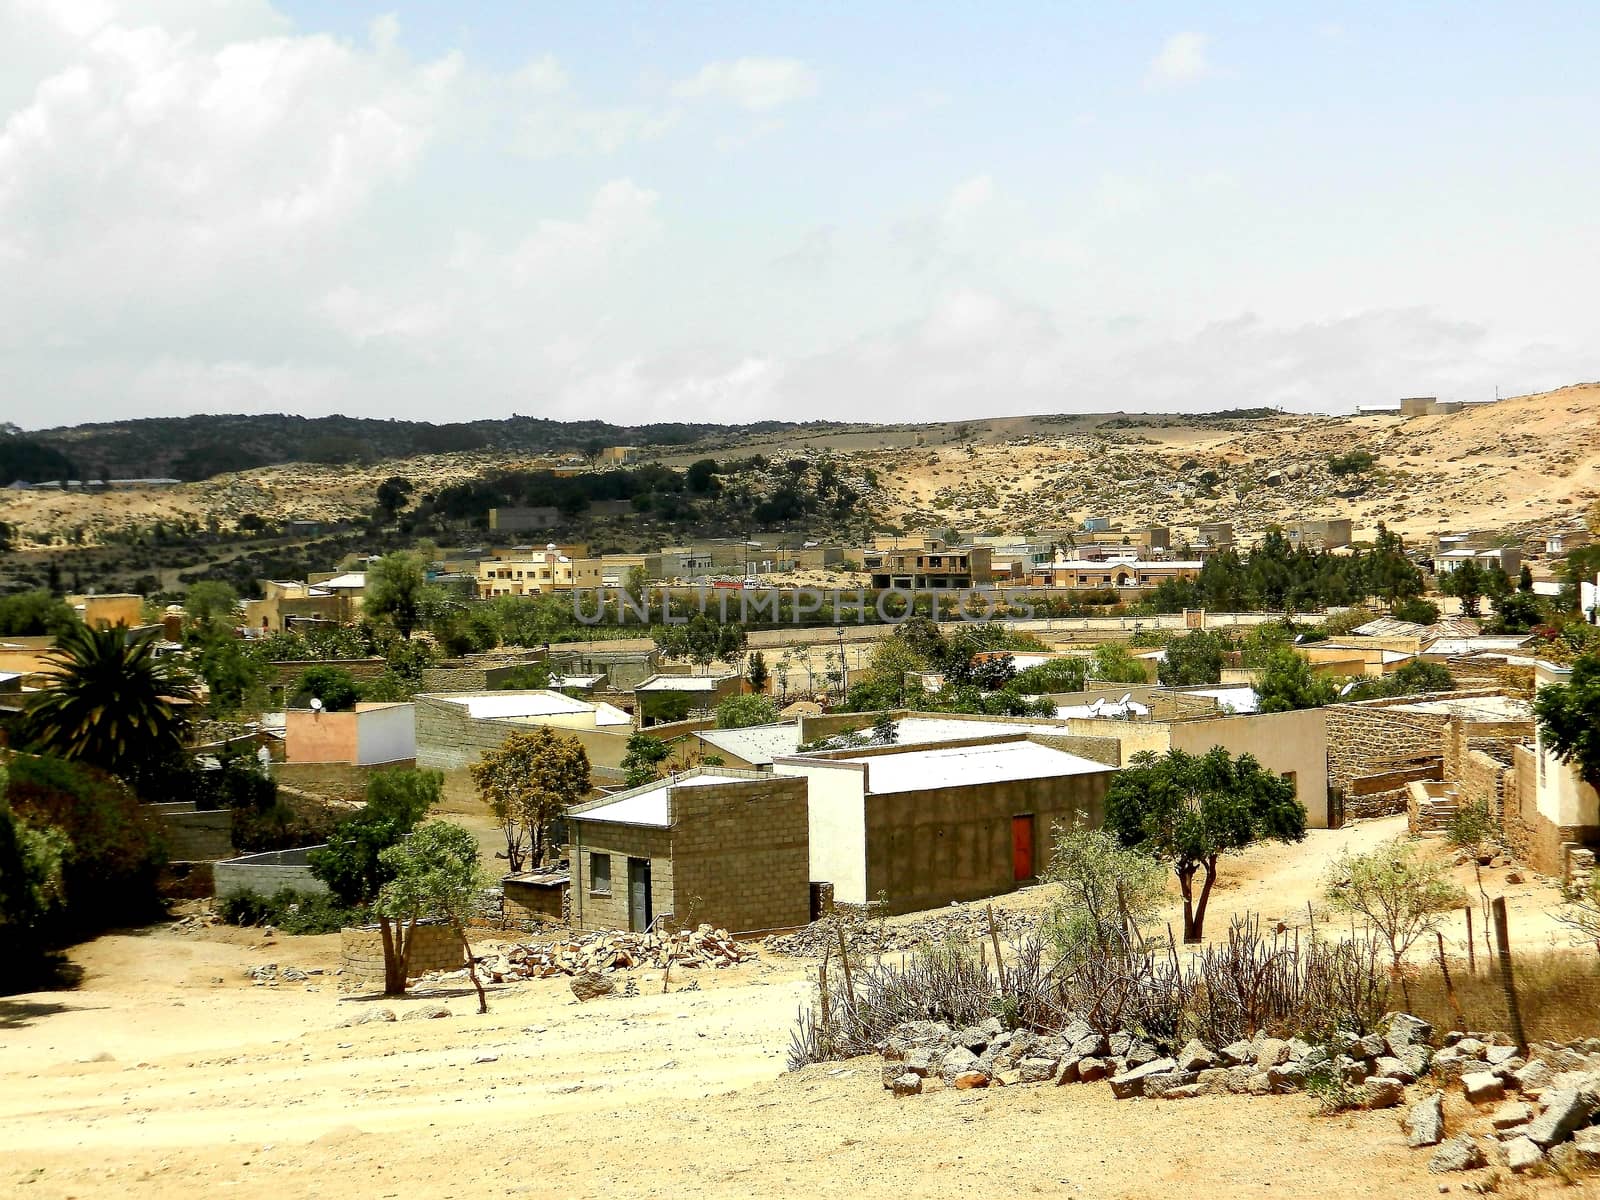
x: 1559, y: 992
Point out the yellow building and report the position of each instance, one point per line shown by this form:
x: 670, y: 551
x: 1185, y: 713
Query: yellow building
x: 105, y: 611
x: 541, y: 571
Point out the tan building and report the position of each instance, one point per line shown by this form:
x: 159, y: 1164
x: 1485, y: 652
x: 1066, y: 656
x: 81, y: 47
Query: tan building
x: 1114, y: 572
x: 1558, y: 810
x: 547, y: 570
x: 284, y: 602
x: 368, y: 735
x: 931, y: 565
x: 102, y: 612
x: 728, y: 848
x: 619, y: 456
x: 1330, y: 533
x: 921, y: 827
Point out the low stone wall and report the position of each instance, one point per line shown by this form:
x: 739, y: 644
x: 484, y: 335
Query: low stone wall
x: 435, y: 947
x: 336, y: 781
x: 267, y: 873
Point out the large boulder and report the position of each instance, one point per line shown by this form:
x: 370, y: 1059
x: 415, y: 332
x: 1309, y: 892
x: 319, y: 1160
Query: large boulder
x: 1405, y: 1030
x: 958, y: 1060
x: 907, y: 1084
x: 1458, y: 1154
x: 1425, y: 1122
x: 1565, y: 1111
x: 1195, y: 1056
x: 1382, y: 1092
x: 1272, y: 1052
x: 1522, y: 1154
x: 1038, y: 1070
x: 1131, y: 1082
x: 591, y: 985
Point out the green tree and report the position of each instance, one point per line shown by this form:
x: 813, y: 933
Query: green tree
x: 1112, y: 663
x: 234, y: 677
x: 393, y: 493
x: 334, y: 686
x: 1466, y: 582
x: 394, y: 590
x: 110, y: 703
x: 529, y: 782
x: 642, y: 762
x: 31, y: 863
x: 1289, y: 683
x: 1418, y: 676
x: 433, y: 875
x: 755, y: 671
x: 35, y: 614
x: 1401, y: 892
x: 351, y: 863
x: 1418, y: 612
x: 1569, y: 718
x: 739, y: 712
x: 1191, y: 810
x: 211, y: 601
x: 1194, y: 658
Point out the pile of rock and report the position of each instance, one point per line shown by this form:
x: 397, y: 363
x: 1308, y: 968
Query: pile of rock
x: 869, y: 937
x: 1554, y: 1113
x: 271, y: 975
x: 1375, y: 1068
x: 616, y: 951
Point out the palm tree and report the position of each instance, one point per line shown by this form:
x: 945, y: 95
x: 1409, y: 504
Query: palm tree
x: 111, y: 703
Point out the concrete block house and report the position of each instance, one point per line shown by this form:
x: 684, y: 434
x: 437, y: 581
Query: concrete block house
x: 729, y: 848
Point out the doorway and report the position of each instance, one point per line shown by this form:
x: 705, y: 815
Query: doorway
x: 1022, y: 848
x: 639, y: 909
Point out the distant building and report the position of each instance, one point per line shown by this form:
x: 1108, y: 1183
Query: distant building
x: 531, y: 574
x: 1217, y: 534
x: 932, y: 565
x: 111, y: 609
x: 1124, y: 572
x: 1330, y: 533
x: 523, y: 520
x: 619, y: 456
x: 1506, y: 558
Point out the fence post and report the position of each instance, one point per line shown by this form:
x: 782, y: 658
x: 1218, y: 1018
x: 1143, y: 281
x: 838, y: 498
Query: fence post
x: 1472, y: 951
x: 1502, y: 937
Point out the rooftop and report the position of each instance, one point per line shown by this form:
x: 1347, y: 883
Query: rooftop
x: 969, y: 766
x: 651, y: 804
x: 1473, y: 708
x: 757, y: 745
x: 510, y: 705
x: 682, y: 683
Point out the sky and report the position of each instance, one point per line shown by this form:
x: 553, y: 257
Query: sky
x: 736, y: 212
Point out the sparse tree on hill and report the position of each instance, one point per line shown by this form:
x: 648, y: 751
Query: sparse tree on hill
x: 1191, y: 810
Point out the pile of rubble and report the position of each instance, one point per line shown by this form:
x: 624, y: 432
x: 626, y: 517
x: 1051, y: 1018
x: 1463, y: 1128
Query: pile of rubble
x: 865, y: 936
x: 1376, y: 1067
x: 616, y: 951
x: 1552, y: 1118
x: 271, y: 975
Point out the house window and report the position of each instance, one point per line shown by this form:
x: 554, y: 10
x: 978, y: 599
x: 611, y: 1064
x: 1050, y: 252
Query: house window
x: 600, y: 874
x: 1289, y: 778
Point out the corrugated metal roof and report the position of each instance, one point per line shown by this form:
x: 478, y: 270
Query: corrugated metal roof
x: 970, y: 766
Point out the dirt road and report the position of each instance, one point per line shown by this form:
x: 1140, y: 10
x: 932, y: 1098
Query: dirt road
x: 167, y: 1073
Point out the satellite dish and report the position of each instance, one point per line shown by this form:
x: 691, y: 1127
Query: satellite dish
x: 1126, y: 696
x: 316, y: 704
x: 1346, y: 689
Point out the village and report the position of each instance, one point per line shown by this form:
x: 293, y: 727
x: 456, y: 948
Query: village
x: 662, y: 811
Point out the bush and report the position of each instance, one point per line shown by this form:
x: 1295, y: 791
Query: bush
x: 290, y: 911
x: 740, y: 712
x: 334, y: 686
x: 114, y: 852
x: 1472, y: 824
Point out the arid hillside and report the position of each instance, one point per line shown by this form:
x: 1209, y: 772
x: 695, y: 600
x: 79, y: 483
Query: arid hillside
x: 1524, y: 461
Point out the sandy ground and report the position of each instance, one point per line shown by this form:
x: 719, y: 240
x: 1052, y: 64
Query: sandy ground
x: 168, y: 1073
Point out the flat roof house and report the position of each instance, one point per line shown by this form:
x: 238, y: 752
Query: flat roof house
x: 922, y: 826
x: 729, y: 848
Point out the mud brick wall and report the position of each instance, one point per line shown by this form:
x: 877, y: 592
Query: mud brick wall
x: 285, y: 674
x: 1481, y: 779
x: 593, y: 910
x: 337, y: 781
x: 192, y: 836
x: 434, y: 948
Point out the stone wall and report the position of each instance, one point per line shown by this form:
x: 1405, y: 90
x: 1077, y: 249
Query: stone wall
x: 285, y: 674
x: 481, y: 677
x: 1531, y: 836
x: 1374, y: 751
x: 435, y: 948
x: 337, y: 781
x: 267, y: 873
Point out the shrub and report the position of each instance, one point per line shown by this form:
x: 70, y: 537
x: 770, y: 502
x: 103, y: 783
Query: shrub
x: 740, y: 712
x: 1471, y: 825
x: 334, y: 686
x: 1102, y: 890
x: 290, y: 911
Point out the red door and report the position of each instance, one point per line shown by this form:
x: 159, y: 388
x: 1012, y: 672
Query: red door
x: 1021, y: 848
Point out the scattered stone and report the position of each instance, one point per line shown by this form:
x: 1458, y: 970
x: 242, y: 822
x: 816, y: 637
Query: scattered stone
x: 1195, y: 1056
x: 1393, y: 1068
x: 1260, y: 1084
x: 1483, y: 1087
x: 1511, y: 1114
x: 1272, y: 1052
x: 1532, y: 1079
x: 1425, y: 1122
x: 1141, y: 1054
x: 590, y: 985
x: 368, y: 1017
x: 1499, y: 1056
x: 1471, y: 1047
x: 1237, y: 1054
x: 429, y: 1012
x: 1565, y: 1110
x: 1091, y: 1069
x: 970, y: 1079
x: 1586, y: 1148
x: 1381, y: 1091
x: 486, y: 1058
x: 907, y: 1084
x: 956, y: 1061
x: 1173, y: 1085
x: 1131, y: 1082
x: 1038, y: 1070
x: 1458, y: 1154
x: 1522, y: 1155
x: 1405, y: 1030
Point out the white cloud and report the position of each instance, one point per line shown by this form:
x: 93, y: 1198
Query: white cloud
x: 968, y: 201
x: 1183, y: 59
x: 757, y: 84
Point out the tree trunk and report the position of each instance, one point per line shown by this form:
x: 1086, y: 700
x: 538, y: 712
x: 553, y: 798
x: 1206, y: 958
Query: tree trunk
x: 1186, y: 886
x: 1205, y: 895
x: 394, y: 965
x: 472, y: 965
